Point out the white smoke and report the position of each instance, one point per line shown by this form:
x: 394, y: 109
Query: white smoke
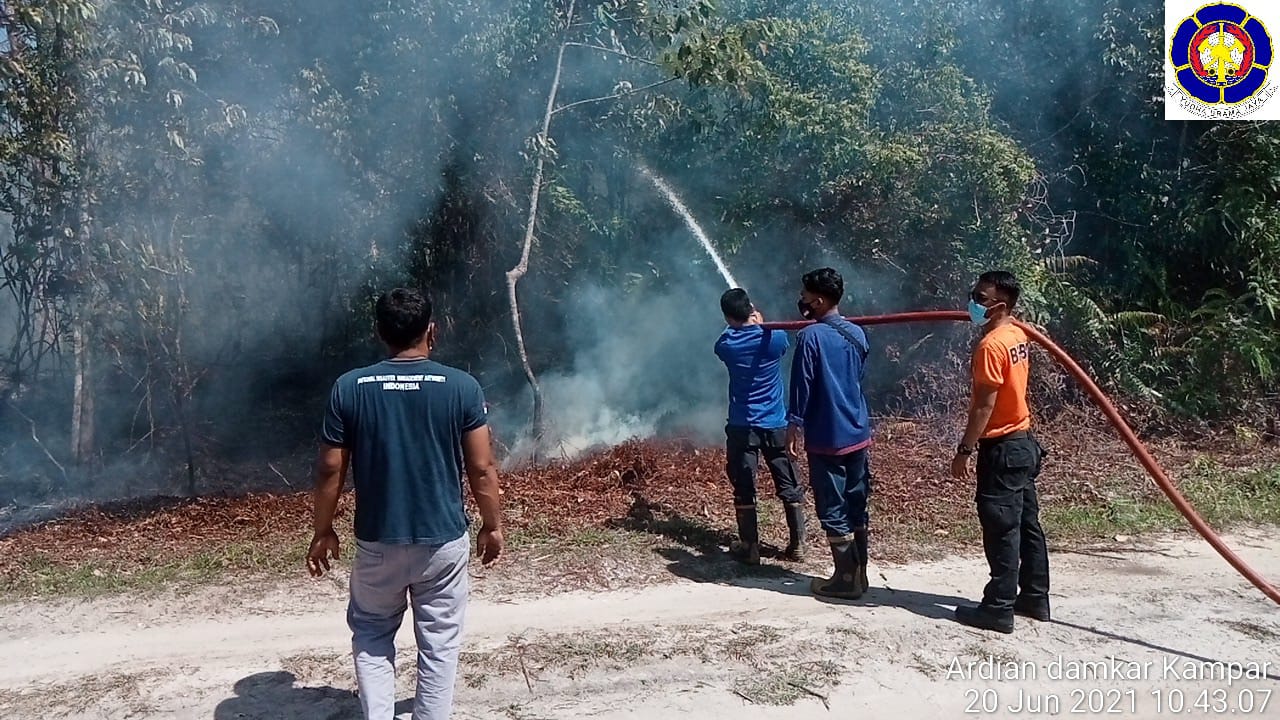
x: 643, y: 366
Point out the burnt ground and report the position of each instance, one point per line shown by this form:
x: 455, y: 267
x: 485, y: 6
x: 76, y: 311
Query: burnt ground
x: 669, y: 493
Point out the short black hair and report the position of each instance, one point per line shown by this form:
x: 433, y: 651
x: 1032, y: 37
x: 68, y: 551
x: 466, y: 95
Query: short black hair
x: 736, y: 305
x: 1005, y: 283
x: 825, y: 282
x: 403, y: 316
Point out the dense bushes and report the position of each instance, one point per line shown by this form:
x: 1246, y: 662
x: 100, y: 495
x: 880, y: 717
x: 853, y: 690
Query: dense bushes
x: 196, y: 200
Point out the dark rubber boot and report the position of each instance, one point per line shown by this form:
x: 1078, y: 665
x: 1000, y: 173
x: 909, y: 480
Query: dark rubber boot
x: 843, y: 583
x: 747, y: 548
x: 1034, y: 608
x: 795, y: 528
x: 860, y: 545
x: 984, y: 618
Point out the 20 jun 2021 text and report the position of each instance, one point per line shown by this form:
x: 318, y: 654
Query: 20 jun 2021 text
x: 1113, y: 686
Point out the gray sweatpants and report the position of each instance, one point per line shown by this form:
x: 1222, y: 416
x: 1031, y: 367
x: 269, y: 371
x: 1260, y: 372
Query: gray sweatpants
x: 434, y: 577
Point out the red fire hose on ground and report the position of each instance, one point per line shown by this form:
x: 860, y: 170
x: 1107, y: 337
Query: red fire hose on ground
x: 1104, y: 403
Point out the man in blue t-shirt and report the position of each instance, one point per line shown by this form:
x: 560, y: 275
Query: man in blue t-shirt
x: 757, y: 424
x: 408, y: 427
x: 830, y: 411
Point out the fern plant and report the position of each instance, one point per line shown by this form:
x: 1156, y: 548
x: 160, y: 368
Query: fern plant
x: 1120, y: 348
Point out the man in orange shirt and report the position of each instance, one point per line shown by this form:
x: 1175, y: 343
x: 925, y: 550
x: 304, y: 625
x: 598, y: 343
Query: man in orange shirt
x: 1009, y: 460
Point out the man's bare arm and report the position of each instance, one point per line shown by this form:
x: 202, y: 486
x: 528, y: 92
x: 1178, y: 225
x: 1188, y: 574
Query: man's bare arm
x: 331, y: 471
x: 482, y: 475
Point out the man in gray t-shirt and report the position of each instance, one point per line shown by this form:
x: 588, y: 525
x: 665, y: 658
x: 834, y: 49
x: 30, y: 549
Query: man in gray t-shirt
x: 408, y: 427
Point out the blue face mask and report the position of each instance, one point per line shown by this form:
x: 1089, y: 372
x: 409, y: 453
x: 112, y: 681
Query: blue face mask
x: 977, y: 313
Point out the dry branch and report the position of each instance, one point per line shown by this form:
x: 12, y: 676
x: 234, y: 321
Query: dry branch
x: 36, y: 439
x: 516, y: 273
x: 616, y: 95
x: 825, y: 702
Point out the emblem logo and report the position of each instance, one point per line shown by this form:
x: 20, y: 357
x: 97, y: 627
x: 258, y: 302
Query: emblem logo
x: 1221, y: 57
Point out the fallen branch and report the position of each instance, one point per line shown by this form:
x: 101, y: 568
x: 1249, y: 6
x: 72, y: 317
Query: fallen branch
x: 280, y: 474
x: 744, y: 696
x: 524, y: 670
x: 815, y: 693
x: 36, y: 438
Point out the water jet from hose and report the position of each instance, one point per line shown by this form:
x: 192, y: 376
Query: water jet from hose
x: 678, y: 205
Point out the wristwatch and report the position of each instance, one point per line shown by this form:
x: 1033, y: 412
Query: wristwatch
x: 963, y: 449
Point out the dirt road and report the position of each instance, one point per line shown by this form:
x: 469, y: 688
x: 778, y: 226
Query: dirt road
x: 1163, y: 630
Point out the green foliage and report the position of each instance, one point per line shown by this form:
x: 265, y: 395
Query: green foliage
x: 1224, y: 497
x: 185, y: 178
x: 912, y: 173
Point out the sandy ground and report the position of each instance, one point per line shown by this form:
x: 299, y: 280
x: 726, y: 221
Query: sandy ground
x: 1152, y: 629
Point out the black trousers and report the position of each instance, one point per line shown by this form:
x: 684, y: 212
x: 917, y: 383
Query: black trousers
x: 743, y: 448
x: 1009, y: 512
x: 841, y: 490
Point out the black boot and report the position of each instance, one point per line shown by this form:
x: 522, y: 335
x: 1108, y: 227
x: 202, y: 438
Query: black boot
x: 795, y: 527
x: 860, y: 544
x: 1034, y: 608
x: 843, y: 583
x: 747, y: 548
x: 984, y: 618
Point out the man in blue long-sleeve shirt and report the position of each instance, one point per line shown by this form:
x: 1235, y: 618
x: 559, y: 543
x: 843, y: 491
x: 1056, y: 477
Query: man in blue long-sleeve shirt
x: 827, y: 407
x: 757, y: 423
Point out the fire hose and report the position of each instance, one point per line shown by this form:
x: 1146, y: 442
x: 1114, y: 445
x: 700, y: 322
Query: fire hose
x: 1104, y: 403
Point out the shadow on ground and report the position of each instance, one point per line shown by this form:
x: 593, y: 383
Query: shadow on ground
x: 275, y: 696
x: 1145, y: 644
x: 699, y: 555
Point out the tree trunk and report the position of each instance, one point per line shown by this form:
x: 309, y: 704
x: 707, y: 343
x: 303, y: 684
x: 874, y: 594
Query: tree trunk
x: 82, y: 426
x: 516, y: 273
x: 188, y: 447
x: 82, y: 402
x: 180, y: 376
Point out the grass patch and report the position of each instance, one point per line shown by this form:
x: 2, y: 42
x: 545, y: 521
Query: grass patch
x: 516, y: 711
x: 770, y: 668
x: 537, y: 533
x: 903, y: 541
x: 316, y: 668
x: 571, y: 654
x: 60, y: 699
x: 93, y: 562
x: 1222, y: 496
x: 789, y: 683
x: 746, y: 639
x: 1251, y: 630
x: 594, y: 538
x: 39, y: 575
x: 589, y: 537
x: 925, y: 666
x: 997, y: 654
